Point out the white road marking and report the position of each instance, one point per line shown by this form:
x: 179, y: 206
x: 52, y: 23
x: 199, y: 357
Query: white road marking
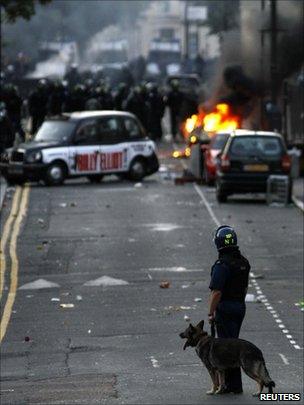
x: 154, y: 362
x: 172, y: 269
x: 253, y: 281
x: 39, y: 284
x: 284, y: 359
x: 105, y: 281
x: 207, y: 205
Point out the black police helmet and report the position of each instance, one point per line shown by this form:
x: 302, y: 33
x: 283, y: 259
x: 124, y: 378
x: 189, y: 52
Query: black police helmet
x: 225, y: 237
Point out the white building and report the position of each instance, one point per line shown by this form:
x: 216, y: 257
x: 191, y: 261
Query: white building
x: 164, y: 23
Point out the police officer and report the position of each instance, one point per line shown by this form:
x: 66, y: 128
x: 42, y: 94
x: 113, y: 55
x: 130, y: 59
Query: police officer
x: 229, y: 282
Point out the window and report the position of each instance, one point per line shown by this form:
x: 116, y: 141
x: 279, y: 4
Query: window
x: 55, y: 131
x: 133, y: 130
x: 261, y: 146
x: 109, y: 130
x: 219, y: 141
x: 87, y: 133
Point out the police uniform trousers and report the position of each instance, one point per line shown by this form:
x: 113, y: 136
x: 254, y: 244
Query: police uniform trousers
x: 228, y: 319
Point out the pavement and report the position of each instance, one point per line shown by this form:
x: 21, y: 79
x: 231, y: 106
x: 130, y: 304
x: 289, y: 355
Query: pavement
x: 3, y: 187
x: 298, y: 193
x: 89, y: 322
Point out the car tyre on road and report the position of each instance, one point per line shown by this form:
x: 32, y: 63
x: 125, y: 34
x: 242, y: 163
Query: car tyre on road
x: 137, y: 170
x: 55, y: 174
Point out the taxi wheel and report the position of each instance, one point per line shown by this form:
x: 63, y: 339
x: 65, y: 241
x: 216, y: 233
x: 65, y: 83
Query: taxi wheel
x: 95, y: 178
x: 137, y: 170
x: 55, y: 174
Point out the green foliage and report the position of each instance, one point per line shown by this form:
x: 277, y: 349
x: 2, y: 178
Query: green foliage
x: 11, y: 10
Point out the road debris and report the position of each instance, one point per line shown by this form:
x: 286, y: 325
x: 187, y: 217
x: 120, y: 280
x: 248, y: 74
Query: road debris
x: 67, y: 305
x: 27, y: 339
x: 197, y: 300
x: 40, y: 221
x: 79, y: 297
x: 164, y: 284
x: 138, y: 185
x: 55, y: 299
x: 73, y: 204
x: 187, y: 318
x: 63, y: 205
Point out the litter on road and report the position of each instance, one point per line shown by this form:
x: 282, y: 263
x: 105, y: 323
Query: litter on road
x: 55, y: 299
x: 164, y: 284
x: 67, y: 305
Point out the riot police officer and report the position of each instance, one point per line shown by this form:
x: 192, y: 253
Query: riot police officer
x: 229, y: 283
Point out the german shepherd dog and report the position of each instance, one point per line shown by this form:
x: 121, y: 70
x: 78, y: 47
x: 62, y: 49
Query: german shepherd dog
x: 219, y: 354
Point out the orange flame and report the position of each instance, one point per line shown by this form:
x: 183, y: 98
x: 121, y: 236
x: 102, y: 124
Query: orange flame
x: 219, y: 119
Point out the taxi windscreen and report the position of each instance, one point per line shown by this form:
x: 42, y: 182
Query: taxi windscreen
x: 55, y: 131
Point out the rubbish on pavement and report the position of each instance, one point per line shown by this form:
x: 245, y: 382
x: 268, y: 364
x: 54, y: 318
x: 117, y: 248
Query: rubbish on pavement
x: 67, y: 305
x: 65, y: 294
x: 29, y: 296
x: 40, y: 221
x: 164, y: 284
x: 26, y: 339
x: 55, y: 299
x: 73, y: 204
x: 197, y: 300
x: 185, y: 285
x: 63, y: 205
x: 89, y: 331
x: 39, y: 247
x: 187, y: 318
x: 79, y: 297
x: 138, y: 185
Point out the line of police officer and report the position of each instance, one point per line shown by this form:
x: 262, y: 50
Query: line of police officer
x: 52, y: 97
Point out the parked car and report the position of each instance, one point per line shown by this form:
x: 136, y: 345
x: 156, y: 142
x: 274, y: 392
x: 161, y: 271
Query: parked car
x: 247, y: 160
x: 89, y: 143
x: 212, y: 150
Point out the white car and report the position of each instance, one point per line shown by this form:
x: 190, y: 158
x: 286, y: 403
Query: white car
x: 89, y: 143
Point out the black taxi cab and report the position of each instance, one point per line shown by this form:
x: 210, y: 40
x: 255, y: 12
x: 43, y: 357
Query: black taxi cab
x: 88, y: 143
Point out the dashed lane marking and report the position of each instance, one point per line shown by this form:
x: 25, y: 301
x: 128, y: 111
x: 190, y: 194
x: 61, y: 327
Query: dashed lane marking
x: 14, y: 263
x: 5, y: 236
x: 284, y: 359
x: 254, y: 283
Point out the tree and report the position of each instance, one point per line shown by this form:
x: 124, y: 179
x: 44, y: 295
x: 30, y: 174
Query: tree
x: 11, y: 10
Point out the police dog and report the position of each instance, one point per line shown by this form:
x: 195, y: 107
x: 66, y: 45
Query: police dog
x: 219, y: 354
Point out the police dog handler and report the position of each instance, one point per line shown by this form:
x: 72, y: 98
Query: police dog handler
x: 229, y: 283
